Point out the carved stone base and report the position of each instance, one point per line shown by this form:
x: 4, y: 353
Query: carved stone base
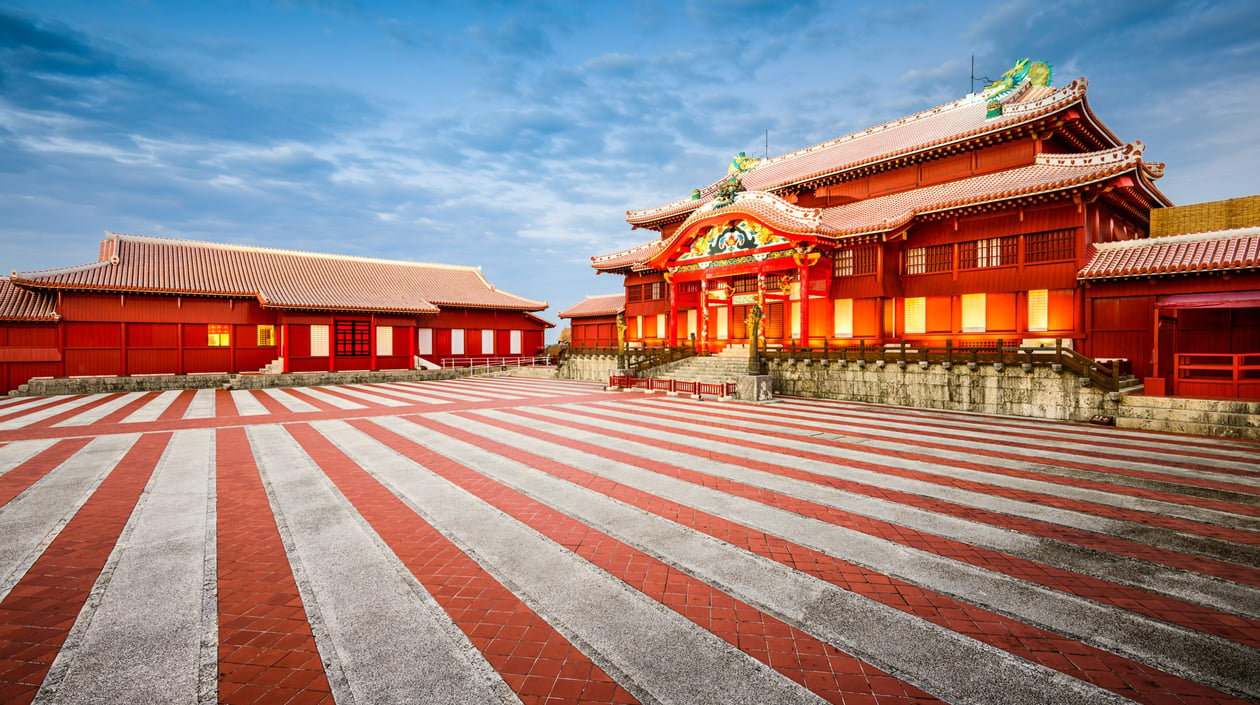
x: 754, y: 388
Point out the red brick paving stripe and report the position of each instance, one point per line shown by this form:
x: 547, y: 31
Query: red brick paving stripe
x: 1092, y: 665
x: 1012, y: 425
x: 538, y: 662
x: 17, y: 480
x: 1205, y: 619
x: 39, y: 611
x: 1133, y: 549
x: 779, y: 419
x: 1129, y: 515
x: 334, y: 392
x: 394, y: 394
x: 8, y: 413
x: 223, y: 404
x: 65, y: 415
x: 178, y: 407
x: 270, y: 403
x: 296, y: 393
x: 828, y: 672
x: 267, y: 653
x: 117, y: 415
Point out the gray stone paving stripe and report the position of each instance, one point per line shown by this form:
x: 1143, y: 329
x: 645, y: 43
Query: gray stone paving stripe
x: 405, y: 393
x: 652, y: 651
x: 1195, y: 588
x: 30, y: 521
x: 142, y: 642
x: 97, y: 413
x: 1048, y: 444
x: 1150, y: 440
x: 964, y: 454
x: 289, y: 401
x: 333, y: 399
x: 18, y: 452
x: 48, y: 411
x: 1159, y: 537
x: 13, y: 405
x: 1179, y: 650
x: 496, y: 386
x: 393, y: 642
x: 247, y: 404
x: 951, y: 666
x: 202, y: 405
x: 367, y: 397
x: 431, y: 389
x: 155, y: 407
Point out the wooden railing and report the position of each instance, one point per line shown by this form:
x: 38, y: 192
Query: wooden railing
x: 1106, y: 376
x: 674, y: 386
x: 1217, y: 375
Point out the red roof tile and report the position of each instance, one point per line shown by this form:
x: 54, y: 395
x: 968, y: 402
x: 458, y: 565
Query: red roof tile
x: 1051, y: 172
x: 602, y: 305
x: 958, y: 121
x: 18, y: 304
x: 278, y: 278
x: 1219, y: 251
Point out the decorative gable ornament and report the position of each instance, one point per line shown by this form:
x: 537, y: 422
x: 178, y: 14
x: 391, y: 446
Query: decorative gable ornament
x: 1038, y: 73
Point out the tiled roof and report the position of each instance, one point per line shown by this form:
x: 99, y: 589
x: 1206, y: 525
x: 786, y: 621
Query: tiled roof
x: 1051, y: 172
x: 1218, y: 251
x: 626, y: 258
x: 278, y: 278
x: 958, y: 121
x: 602, y: 305
x: 18, y: 304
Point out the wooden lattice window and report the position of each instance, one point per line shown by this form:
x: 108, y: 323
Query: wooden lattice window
x: 991, y: 252
x: 1050, y: 246
x: 352, y: 338
x: 929, y: 260
x: 745, y: 285
x: 266, y: 336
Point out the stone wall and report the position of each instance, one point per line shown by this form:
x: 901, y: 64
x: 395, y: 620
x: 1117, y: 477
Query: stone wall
x: 1039, y: 393
x: 153, y: 383
x: 591, y: 368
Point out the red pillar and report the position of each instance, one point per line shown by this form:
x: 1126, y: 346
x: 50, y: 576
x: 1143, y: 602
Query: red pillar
x: 804, y: 279
x: 672, y: 324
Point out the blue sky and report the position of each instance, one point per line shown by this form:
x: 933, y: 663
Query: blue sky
x: 515, y: 135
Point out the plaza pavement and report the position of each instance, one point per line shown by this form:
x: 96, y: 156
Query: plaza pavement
x: 536, y: 541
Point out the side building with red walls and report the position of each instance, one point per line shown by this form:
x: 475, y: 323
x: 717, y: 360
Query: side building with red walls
x: 159, y: 306
x: 593, y: 321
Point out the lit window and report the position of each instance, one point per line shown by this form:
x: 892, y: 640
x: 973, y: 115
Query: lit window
x: 220, y: 335
x: 844, y: 318
x: 266, y: 336
x: 515, y: 343
x: 487, y: 342
x: 319, y: 341
x: 844, y: 263
x: 457, y: 341
x: 916, y: 315
x: 1038, y: 309
x: 973, y: 313
x: 384, y: 340
x: 916, y: 260
x: 424, y: 344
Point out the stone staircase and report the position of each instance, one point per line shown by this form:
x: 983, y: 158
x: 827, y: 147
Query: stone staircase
x: 726, y: 366
x: 1203, y: 417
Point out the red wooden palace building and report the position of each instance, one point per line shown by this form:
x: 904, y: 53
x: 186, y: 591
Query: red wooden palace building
x: 593, y: 321
x: 162, y: 306
x: 968, y: 222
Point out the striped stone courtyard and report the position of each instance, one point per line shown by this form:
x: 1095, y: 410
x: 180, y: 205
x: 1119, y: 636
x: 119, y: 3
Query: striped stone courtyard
x: 505, y: 540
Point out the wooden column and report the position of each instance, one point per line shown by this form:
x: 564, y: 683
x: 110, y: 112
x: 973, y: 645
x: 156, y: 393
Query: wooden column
x: 672, y: 324
x: 803, y: 278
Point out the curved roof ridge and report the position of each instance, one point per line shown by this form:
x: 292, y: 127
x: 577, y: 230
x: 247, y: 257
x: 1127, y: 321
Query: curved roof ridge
x: 1013, y: 114
x: 1206, y: 235
x: 206, y: 244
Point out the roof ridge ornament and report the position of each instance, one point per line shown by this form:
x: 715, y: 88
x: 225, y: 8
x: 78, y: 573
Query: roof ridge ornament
x: 1037, y: 73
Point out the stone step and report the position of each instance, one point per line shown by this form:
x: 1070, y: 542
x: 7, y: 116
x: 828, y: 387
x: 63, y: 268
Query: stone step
x: 1235, y: 406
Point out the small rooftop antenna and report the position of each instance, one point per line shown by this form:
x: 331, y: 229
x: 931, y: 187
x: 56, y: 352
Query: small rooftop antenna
x: 986, y: 79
